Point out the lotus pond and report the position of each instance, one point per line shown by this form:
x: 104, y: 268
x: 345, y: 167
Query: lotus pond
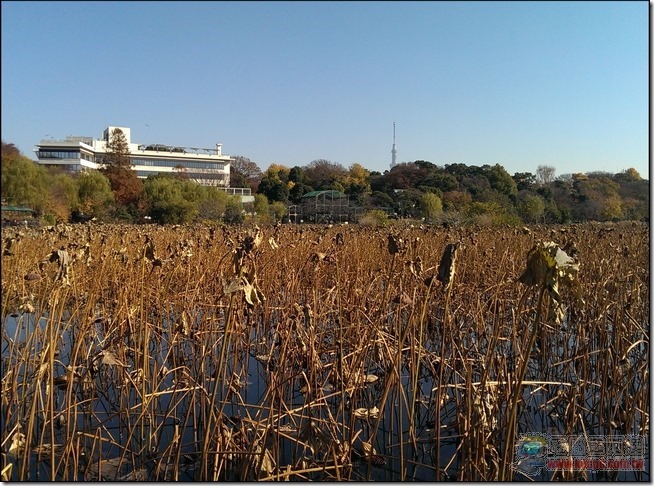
x: 321, y: 353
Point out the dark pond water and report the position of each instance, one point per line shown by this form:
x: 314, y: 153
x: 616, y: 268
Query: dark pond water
x: 145, y: 448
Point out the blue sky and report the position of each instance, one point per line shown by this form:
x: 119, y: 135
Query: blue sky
x: 515, y: 83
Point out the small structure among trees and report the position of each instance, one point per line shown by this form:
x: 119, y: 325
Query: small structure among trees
x: 15, y: 215
x: 324, y: 207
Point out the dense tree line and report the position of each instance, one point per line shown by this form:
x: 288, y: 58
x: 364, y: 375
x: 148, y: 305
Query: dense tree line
x: 450, y: 193
x: 460, y: 192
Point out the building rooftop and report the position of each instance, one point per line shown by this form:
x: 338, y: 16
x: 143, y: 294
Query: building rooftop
x: 329, y: 194
x: 20, y: 209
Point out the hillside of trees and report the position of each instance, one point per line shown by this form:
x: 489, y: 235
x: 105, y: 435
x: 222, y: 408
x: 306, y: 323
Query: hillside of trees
x: 453, y: 193
x: 466, y: 193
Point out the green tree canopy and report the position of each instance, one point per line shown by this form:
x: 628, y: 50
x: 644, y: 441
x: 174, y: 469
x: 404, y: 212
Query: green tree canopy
x: 524, y: 180
x: 24, y: 182
x: 63, y: 197
x: 94, y: 194
x: 262, y: 207
x: 430, y: 206
x: 278, y: 209
x: 500, y: 180
x: 172, y: 200
x: 274, y: 188
x: 234, y: 211
x: 531, y: 207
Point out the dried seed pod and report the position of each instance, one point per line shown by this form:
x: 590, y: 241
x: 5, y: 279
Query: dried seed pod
x: 395, y: 245
x: 32, y: 276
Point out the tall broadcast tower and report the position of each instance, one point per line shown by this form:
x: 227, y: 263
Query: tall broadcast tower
x: 394, y: 150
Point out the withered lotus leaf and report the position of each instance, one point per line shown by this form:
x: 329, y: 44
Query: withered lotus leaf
x: 395, y: 245
x: 547, y: 265
x: 447, y: 267
x: 32, y: 276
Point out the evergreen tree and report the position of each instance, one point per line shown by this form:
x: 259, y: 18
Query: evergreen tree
x: 117, y: 151
x: 124, y: 181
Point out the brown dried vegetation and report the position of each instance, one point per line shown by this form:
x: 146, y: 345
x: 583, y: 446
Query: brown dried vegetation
x: 322, y: 353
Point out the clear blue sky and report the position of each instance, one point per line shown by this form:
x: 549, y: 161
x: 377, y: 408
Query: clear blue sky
x: 515, y: 83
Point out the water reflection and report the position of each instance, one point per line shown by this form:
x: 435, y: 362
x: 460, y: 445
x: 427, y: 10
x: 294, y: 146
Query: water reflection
x: 132, y: 422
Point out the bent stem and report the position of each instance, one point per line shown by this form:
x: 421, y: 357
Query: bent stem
x: 517, y: 391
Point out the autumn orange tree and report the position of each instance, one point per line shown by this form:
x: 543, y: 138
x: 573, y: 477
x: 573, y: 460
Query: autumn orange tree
x: 125, y: 184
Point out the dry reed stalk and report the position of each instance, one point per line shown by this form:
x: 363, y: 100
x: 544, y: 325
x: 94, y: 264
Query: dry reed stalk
x: 188, y: 349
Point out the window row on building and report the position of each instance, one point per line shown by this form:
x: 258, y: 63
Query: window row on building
x: 57, y: 154
x: 176, y: 163
x: 65, y: 154
x: 191, y: 175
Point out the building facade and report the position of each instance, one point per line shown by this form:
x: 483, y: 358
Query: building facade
x: 208, y: 167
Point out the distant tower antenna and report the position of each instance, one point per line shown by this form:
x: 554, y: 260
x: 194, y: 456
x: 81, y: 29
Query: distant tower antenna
x: 394, y: 150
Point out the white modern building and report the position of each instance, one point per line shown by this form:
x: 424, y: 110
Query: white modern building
x: 208, y: 167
